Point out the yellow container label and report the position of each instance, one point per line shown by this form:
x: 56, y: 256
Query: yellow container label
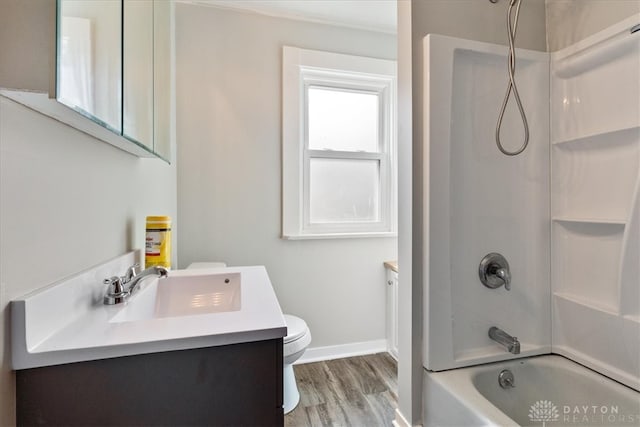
x: 158, y: 242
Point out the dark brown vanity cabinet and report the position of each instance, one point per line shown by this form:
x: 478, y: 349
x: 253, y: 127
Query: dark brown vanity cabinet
x: 231, y: 385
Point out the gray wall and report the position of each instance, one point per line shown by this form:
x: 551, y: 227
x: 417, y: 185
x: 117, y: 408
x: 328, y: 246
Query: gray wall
x: 569, y: 21
x: 229, y: 89
x: 67, y: 202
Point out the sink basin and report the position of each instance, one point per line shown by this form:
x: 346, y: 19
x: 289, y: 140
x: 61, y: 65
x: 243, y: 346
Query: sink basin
x: 176, y: 296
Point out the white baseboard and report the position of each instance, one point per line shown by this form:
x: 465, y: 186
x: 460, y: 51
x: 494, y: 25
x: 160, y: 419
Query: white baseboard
x: 318, y: 354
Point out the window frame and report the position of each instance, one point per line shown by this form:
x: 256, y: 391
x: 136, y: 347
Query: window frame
x: 304, y: 69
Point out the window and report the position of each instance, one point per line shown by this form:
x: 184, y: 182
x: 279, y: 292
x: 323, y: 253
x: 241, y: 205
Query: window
x: 338, y: 145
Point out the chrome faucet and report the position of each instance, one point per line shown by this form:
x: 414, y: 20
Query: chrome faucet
x: 117, y: 292
x: 501, y: 337
x: 151, y: 271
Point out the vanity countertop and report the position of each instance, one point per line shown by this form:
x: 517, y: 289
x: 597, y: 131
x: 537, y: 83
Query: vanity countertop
x: 67, y: 322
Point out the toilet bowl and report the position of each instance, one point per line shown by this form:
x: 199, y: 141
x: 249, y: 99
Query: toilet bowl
x: 295, y: 343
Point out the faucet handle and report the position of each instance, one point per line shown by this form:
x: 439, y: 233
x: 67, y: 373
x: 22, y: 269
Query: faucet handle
x: 494, y: 271
x: 504, y: 274
x: 131, y: 272
x: 115, y: 284
x: 115, y: 292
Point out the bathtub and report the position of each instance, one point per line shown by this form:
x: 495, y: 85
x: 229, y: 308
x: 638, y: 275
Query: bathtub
x: 548, y: 390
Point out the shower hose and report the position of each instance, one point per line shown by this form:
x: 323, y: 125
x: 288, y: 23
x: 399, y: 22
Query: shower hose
x: 512, y: 24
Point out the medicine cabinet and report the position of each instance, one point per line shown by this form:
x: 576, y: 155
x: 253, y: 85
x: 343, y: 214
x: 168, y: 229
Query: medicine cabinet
x: 101, y: 66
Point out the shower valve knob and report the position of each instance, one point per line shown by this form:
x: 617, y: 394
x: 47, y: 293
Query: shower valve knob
x: 494, y: 271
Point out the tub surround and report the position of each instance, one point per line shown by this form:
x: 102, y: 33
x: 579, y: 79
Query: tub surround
x: 68, y: 322
x: 481, y: 201
x: 595, y: 202
x: 575, y: 192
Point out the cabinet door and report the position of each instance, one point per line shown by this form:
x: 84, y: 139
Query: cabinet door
x: 231, y: 385
x: 89, y: 70
x: 138, y: 72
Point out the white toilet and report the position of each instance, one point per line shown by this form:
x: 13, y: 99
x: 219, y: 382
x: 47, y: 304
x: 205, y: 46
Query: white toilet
x: 295, y: 343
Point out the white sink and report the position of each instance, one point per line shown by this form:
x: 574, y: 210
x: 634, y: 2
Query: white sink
x: 176, y: 296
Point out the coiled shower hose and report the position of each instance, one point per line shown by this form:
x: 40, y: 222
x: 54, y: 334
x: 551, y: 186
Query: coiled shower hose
x: 512, y: 25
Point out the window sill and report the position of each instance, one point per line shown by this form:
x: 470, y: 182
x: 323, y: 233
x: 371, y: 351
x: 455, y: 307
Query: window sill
x: 340, y: 235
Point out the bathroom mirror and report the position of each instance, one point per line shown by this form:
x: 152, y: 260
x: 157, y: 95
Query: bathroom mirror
x: 137, y: 68
x: 114, y: 68
x: 89, y: 76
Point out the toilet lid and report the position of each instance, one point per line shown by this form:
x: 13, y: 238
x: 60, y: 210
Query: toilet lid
x: 296, y: 328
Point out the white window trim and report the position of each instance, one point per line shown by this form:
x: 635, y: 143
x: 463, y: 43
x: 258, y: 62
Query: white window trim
x: 303, y: 68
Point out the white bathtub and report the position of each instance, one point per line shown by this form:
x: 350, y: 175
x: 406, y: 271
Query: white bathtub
x: 549, y: 389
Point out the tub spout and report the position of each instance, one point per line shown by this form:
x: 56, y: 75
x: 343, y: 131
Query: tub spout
x: 501, y: 337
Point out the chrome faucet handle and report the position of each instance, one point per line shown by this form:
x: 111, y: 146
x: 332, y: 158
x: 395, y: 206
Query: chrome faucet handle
x: 131, y: 272
x: 505, y: 276
x: 115, y: 292
x: 494, y: 271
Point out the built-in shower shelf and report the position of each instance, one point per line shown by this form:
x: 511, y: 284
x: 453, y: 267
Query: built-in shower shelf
x: 593, y: 221
x: 588, y: 303
x: 615, y: 136
x: 595, y: 166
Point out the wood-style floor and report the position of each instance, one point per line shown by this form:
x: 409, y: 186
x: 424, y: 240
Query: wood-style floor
x: 356, y: 391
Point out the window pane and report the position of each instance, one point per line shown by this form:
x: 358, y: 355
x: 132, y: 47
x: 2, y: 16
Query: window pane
x: 342, y: 120
x: 344, y: 190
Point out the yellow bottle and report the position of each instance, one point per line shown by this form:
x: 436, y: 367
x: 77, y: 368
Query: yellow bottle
x: 158, y: 242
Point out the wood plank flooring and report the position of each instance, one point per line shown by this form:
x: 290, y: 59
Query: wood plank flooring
x: 357, y: 391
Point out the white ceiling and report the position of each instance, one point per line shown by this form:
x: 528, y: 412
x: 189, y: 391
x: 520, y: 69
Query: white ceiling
x: 374, y: 15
